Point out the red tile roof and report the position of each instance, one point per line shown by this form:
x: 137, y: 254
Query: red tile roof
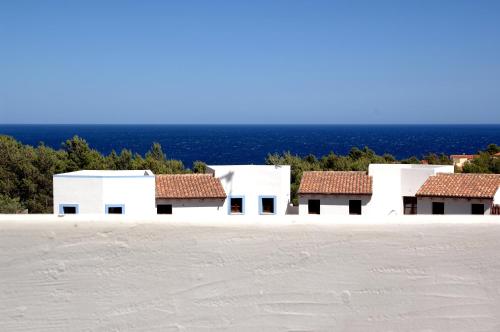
x: 339, y: 183
x: 460, y: 185
x: 188, y: 186
x: 461, y: 156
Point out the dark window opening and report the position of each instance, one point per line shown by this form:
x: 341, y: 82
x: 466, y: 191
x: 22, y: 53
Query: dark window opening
x: 115, y: 210
x: 314, y: 206
x: 164, y: 209
x: 437, y: 208
x: 69, y: 209
x: 410, y: 205
x: 354, y: 206
x: 477, y: 209
x: 237, y: 205
x: 267, y: 205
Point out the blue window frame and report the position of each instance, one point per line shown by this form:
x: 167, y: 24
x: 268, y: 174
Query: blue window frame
x: 69, y: 208
x: 236, y: 205
x: 115, y: 208
x: 267, y: 204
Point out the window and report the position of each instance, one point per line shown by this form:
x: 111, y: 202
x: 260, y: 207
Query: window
x: 164, y: 209
x: 68, y: 209
x: 477, y: 209
x: 313, y: 206
x: 354, y: 206
x: 437, y: 208
x: 267, y: 205
x: 236, y: 205
x: 115, y: 209
x: 410, y: 205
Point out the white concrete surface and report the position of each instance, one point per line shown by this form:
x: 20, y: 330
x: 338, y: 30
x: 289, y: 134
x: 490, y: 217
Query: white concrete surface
x: 332, y: 205
x: 252, y: 182
x: 113, y: 273
x: 195, y: 208
x: 452, y: 205
x: 92, y: 190
x: 393, y: 181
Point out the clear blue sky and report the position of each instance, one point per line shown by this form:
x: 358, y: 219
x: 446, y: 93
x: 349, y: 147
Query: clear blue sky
x: 249, y: 61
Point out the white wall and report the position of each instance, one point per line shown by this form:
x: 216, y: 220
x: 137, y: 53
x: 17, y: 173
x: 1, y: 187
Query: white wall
x: 195, y: 207
x: 87, y: 193
x: 451, y: 205
x: 496, y: 198
x: 309, y: 274
x: 332, y: 204
x: 93, y: 193
x: 252, y: 181
x: 393, y: 181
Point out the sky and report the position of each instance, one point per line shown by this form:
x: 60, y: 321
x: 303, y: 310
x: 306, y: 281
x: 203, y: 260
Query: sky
x: 258, y: 62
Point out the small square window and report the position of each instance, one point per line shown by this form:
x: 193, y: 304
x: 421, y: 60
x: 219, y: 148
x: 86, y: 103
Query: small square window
x: 477, y: 208
x: 236, y: 205
x: 69, y: 209
x: 355, y: 206
x: 115, y: 210
x: 437, y: 207
x: 267, y: 205
x: 313, y: 206
x: 164, y: 209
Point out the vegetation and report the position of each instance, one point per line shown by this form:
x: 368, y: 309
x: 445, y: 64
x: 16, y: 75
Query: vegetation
x: 26, y: 172
x: 485, y: 162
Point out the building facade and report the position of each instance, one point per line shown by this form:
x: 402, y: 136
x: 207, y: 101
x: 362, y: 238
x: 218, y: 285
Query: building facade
x: 254, y: 189
x: 104, y: 192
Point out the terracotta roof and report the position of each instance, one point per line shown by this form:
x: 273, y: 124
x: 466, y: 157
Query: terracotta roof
x: 467, y: 156
x: 339, y: 183
x: 182, y: 186
x: 497, y: 154
x: 460, y: 185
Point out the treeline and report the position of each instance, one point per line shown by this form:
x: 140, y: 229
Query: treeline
x: 359, y: 160
x: 26, y: 171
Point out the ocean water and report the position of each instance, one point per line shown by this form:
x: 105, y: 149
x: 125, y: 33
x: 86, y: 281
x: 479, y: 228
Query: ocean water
x: 250, y: 144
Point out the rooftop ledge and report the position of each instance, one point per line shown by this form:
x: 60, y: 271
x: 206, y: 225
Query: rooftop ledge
x: 250, y: 221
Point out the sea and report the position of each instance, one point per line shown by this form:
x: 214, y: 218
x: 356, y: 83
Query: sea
x: 250, y: 144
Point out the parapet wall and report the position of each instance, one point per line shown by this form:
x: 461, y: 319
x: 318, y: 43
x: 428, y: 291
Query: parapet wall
x: 419, y: 273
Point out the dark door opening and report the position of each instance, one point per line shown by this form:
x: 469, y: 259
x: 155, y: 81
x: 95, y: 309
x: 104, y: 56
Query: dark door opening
x: 313, y: 206
x: 355, y: 206
x: 164, y: 209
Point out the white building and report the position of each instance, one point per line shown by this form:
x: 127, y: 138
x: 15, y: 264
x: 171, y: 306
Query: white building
x: 189, y: 194
x: 334, y: 193
x: 254, y: 189
x: 460, y: 194
x: 395, y: 186
x: 103, y: 192
x: 387, y: 189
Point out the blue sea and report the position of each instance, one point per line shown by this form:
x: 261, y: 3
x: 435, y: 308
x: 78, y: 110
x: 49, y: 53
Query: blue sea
x: 250, y: 144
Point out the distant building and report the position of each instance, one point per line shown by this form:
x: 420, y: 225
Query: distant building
x: 459, y: 160
x: 329, y: 192
x: 189, y: 194
x: 254, y: 189
x: 104, y: 192
x: 459, y: 194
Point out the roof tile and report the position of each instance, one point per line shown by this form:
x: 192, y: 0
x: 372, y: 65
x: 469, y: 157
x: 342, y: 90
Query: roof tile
x: 188, y: 186
x: 332, y: 182
x: 465, y: 185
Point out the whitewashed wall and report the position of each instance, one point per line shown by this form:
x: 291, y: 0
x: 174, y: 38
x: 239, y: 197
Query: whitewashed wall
x: 93, y: 193
x: 393, y: 181
x: 252, y: 181
x: 195, y: 207
x: 306, y: 274
x: 452, y: 205
x: 332, y: 204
